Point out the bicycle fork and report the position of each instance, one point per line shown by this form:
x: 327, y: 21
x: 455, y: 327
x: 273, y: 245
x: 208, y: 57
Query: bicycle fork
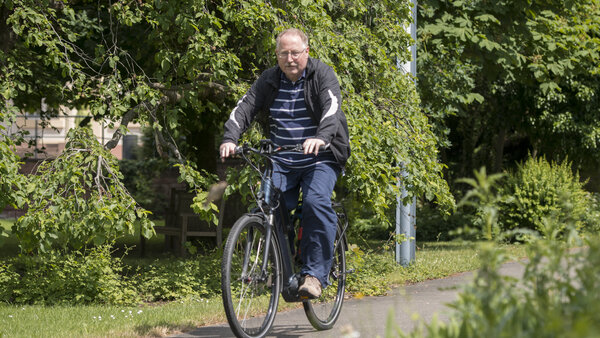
x: 247, y: 275
x: 290, y: 279
x: 268, y: 234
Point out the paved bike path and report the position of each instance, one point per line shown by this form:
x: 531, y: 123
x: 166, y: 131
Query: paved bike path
x: 367, y: 317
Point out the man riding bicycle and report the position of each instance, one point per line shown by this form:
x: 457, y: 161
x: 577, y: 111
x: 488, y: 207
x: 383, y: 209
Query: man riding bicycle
x: 301, y: 96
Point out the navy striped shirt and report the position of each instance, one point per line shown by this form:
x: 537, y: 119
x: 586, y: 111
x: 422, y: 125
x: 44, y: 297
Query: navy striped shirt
x: 291, y: 124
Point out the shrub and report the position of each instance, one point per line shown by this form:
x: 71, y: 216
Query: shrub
x: 173, y: 279
x: 539, y: 189
x: 368, y: 228
x: 432, y: 226
x: 482, y: 200
x: 93, y: 277
x: 557, y: 296
x: 8, y: 279
x: 592, y: 221
x: 370, y: 271
x: 97, y: 277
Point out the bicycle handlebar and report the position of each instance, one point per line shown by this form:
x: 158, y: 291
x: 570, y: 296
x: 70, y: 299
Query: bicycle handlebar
x: 270, y: 148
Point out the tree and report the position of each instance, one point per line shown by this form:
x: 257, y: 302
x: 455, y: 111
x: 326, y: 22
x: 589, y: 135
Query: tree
x: 503, y: 79
x: 179, y: 66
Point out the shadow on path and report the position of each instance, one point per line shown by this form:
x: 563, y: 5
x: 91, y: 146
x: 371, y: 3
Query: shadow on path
x: 278, y: 330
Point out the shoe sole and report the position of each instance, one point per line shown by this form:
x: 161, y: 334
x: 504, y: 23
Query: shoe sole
x: 307, y: 295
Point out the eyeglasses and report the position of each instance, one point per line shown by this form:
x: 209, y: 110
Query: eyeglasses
x: 294, y: 54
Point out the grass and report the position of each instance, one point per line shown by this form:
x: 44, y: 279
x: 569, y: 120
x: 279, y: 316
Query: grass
x: 112, y: 321
x: 442, y: 259
x: 433, y: 260
x: 109, y: 321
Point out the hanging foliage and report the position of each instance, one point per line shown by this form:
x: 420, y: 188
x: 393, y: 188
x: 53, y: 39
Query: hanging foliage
x: 180, y: 66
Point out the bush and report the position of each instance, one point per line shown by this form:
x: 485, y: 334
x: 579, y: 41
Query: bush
x: 481, y: 205
x: 369, y: 228
x: 557, y: 296
x: 592, y: 224
x: 370, y: 271
x: 168, y: 280
x: 75, y: 278
x: 434, y: 226
x: 539, y: 189
x: 97, y: 277
x: 8, y: 279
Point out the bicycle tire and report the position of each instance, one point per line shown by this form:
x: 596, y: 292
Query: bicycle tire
x: 250, y: 301
x: 323, y: 312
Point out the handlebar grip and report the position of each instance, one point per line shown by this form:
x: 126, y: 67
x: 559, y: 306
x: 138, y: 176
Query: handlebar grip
x: 300, y: 148
x: 321, y: 148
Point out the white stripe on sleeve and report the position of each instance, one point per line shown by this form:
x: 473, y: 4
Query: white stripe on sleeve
x: 232, y: 115
x: 334, y: 106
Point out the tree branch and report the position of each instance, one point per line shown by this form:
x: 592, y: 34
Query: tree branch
x: 174, y: 94
x: 161, y: 142
x: 205, y: 89
x: 128, y: 117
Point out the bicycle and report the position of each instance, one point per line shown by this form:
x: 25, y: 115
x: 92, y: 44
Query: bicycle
x: 259, y: 260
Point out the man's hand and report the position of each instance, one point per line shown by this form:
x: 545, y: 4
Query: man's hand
x: 311, y: 146
x: 226, y: 149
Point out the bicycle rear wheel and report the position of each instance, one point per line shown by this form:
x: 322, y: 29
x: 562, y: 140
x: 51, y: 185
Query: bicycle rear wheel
x: 250, y: 298
x: 323, y: 312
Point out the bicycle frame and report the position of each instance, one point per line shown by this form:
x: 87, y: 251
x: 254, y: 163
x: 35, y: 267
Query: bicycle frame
x: 278, y: 223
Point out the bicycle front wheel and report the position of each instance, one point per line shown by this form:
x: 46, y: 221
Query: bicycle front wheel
x: 323, y: 312
x: 250, y: 297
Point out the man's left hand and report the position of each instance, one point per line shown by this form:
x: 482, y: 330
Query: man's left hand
x: 311, y: 146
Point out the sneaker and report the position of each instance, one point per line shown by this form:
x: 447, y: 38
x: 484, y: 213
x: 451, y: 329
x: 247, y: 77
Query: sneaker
x: 310, y: 288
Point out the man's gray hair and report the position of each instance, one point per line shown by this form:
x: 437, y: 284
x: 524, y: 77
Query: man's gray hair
x: 293, y: 31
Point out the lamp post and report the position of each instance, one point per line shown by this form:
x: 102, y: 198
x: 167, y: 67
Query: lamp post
x: 406, y: 214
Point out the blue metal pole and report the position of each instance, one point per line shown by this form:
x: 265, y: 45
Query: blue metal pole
x: 406, y: 214
x: 413, y: 230
x: 404, y: 227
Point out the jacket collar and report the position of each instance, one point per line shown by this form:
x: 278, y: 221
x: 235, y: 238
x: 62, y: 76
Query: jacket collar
x: 274, y: 79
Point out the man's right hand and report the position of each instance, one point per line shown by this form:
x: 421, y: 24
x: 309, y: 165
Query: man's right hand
x: 227, y: 149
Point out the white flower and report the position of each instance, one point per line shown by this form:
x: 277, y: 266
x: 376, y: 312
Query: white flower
x: 140, y: 311
x: 10, y: 316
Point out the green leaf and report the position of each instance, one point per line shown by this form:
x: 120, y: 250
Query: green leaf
x: 165, y: 65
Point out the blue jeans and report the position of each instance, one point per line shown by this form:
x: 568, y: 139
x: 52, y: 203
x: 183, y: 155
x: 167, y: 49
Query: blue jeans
x: 318, y: 217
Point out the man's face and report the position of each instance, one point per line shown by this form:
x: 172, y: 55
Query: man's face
x: 292, y: 56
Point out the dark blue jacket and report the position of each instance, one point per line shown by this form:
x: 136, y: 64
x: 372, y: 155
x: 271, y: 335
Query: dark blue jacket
x: 323, y: 102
